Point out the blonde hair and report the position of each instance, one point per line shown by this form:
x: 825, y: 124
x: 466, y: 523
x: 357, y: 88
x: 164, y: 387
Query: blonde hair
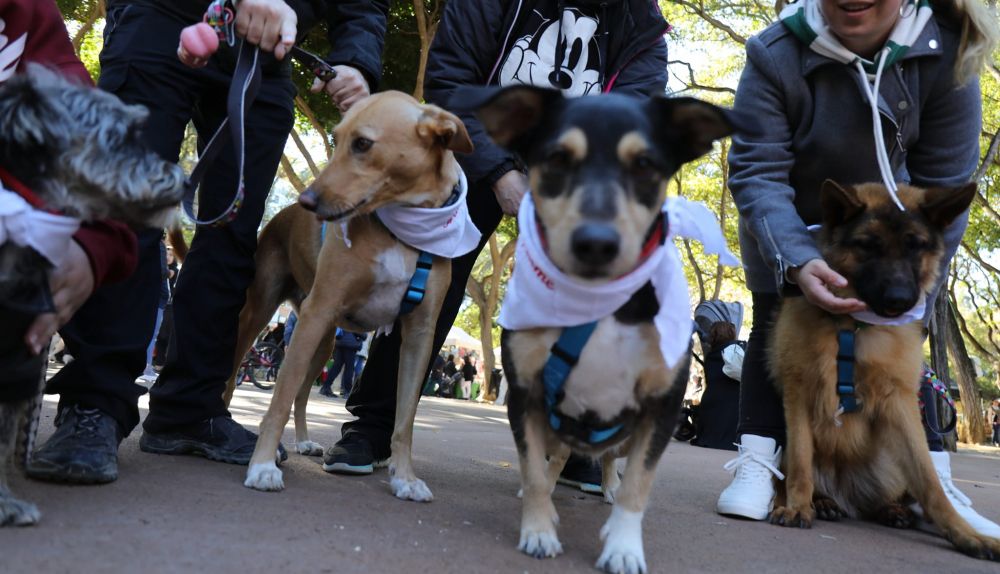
x: 980, y: 34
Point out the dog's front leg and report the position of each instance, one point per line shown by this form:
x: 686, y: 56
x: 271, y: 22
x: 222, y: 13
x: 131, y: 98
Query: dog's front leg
x: 414, y: 355
x: 905, y: 430
x: 302, y: 443
x: 538, y: 514
x: 313, y: 328
x: 798, y: 510
x: 12, y: 510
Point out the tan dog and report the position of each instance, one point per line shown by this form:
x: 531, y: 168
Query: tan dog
x: 391, y: 149
x: 871, y: 461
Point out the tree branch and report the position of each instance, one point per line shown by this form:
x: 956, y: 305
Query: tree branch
x: 699, y: 10
x: 88, y: 25
x: 293, y: 177
x: 692, y: 83
x: 304, y: 151
x: 311, y: 116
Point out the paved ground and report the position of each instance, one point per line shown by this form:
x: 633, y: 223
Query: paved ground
x: 184, y: 514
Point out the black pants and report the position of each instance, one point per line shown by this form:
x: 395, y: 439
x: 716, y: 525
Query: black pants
x: 761, y: 409
x: 373, y: 400
x: 109, y: 335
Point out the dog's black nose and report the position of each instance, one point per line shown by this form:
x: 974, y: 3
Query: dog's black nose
x: 595, y: 244
x: 308, y: 199
x: 897, y: 300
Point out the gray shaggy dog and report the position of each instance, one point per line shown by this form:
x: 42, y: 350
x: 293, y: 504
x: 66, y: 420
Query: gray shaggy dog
x: 80, y: 150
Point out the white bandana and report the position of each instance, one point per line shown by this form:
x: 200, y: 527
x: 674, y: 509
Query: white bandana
x: 46, y: 233
x: 540, y: 295
x: 443, y: 231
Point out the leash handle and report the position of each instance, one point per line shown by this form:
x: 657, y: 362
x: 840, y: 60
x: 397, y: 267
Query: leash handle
x: 242, y: 92
x: 930, y: 378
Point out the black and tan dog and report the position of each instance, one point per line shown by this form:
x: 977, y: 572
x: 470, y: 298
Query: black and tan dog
x: 869, y: 462
x: 598, y: 170
x: 391, y: 150
x: 74, y: 151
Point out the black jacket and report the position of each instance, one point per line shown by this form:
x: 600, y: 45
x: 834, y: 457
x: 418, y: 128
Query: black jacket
x: 475, y: 35
x: 356, y: 28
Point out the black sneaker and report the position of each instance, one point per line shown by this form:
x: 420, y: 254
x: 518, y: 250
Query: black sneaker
x: 583, y: 473
x: 83, y: 450
x: 218, y: 438
x: 353, y: 454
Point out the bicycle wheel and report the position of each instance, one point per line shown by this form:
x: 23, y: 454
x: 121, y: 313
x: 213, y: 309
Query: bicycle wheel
x: 267, y: 358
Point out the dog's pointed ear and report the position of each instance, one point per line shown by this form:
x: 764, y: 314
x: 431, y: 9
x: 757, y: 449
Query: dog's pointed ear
x: 942, y: 205
x: 838, y: 203
x: 444, y: 128
x: 508, y: 115
x: 692, y: 126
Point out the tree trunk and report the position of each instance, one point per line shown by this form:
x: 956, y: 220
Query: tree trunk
x: 939, y: 357
x: 724, y: 164
x: 427, y: 24
x: 304, y: 151
x: 311, y: 116
x: 88, y: 25
x: 966, y: 376
x: 293, y: 177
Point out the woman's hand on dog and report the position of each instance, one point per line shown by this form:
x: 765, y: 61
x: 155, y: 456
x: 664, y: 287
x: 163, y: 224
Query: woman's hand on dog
x: 510, y: 189
x: 71, y: 284
x: 346, y: 89
x: 270, y: 24
x: 815, y: 279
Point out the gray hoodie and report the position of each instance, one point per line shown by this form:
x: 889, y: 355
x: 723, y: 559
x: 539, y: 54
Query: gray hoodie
x: 817, y: 125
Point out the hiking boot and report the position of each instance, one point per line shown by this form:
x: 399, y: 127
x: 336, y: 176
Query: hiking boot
x: 83, y: 450
x: 352, y: 454
x: 583, y: 473
x: 958, y: 500
x: 751, y: 493
x: 218, y: 438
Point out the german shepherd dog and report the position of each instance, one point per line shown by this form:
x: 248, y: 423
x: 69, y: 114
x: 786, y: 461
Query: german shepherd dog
x: 75, y: 151
x: 873, y: 461
x: 598, y: 170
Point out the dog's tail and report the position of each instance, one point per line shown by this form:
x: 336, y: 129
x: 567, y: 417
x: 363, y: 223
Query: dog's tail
x: 177, y: 241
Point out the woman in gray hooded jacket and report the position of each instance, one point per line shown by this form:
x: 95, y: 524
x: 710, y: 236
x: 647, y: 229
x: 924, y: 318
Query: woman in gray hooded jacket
x: 809, y: 79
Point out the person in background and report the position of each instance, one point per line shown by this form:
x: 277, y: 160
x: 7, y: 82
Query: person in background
x: 347, y: 347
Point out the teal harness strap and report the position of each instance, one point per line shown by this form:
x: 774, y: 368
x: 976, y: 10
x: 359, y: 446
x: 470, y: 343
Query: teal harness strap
x: 845, y: 371
x: 418, y: 283
x: 563, y: 357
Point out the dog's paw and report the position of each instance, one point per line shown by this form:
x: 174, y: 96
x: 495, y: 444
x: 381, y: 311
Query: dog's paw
x: 896, y: 516
x: 610, y: 494
x: 978, y: 546
x: 540, y: 544
x: 622, y: 535
x: 14, y: 512
x: 264, y: 476
x: 785, y: 516
x: 414, y: 489
x: 309, y: 448
x: 828, y: 509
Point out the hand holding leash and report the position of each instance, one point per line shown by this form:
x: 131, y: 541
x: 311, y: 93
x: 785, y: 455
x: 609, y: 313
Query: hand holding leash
x: 269, y: 24
x: 346, y: 87
x: 815, y: 279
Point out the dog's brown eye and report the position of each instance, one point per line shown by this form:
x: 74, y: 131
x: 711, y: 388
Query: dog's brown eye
x: 868, y: 243
x: 642, y: 166
x: 361, y: 145
x: 916, y: 243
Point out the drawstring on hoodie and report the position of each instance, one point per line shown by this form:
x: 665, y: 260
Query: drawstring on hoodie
x: 881, y: 155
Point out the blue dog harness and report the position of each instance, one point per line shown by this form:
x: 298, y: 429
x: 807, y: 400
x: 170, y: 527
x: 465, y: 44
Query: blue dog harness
x: 563, y: 357
x: 845, y: 371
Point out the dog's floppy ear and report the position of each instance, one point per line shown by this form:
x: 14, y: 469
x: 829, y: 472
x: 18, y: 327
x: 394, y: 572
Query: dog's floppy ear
x: 838, y: 203
x: 25, y: 116
x: 445, y: 129
x: 693, y: 125
x: 508, y: 114
x: 942, y: 205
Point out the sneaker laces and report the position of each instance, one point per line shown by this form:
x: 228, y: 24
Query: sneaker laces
x: 747, y: 469
x: 87, y: 422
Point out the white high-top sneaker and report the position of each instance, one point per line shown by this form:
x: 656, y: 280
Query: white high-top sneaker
x: 751, y: 493
x: 961, y: 503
